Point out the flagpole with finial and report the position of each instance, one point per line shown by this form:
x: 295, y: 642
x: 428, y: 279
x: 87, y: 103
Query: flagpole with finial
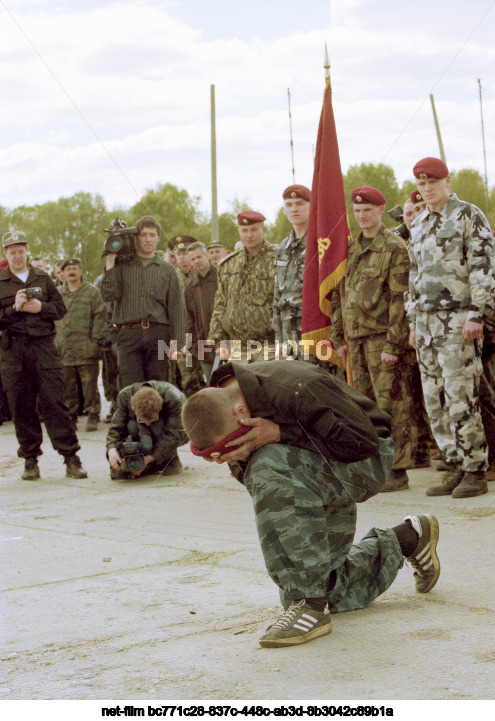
x: 326, y: 65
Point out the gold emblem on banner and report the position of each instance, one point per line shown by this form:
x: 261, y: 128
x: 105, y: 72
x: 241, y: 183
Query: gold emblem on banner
x: 323, y: 246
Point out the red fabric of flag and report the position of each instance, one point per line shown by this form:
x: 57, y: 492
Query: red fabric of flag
x: 328, y: 231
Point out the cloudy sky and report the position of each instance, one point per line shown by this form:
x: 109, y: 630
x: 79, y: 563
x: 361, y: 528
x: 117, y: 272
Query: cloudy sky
x: 113, y: 97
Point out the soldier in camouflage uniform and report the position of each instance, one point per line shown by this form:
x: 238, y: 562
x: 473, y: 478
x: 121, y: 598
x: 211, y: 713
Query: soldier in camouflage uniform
x: 373, y: 316
x: 314, y: 447
x: 189, y: 369
x: 241, y: 320
x: 451, y: 293
x: 80, y: 336
x: 289, y: 272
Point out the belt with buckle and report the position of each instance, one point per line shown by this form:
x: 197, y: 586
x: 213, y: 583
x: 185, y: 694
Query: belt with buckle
x: 139, y: 324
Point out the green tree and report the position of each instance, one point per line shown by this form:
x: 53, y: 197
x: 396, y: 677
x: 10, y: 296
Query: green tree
x: 469, y: 186
x: 280, y: 228
x: 378, y: 176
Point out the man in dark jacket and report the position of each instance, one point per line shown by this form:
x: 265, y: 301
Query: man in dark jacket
x: 149, y: 415
x: 199, y: 295
x: 313, y: 448
x: 29, y: 363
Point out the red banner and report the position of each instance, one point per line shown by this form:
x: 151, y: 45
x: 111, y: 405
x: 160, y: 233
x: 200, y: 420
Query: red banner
x: 328, y: 231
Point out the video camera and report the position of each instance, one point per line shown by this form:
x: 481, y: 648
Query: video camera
x: 398, y: 214
x: 121, y: 240
x: 132, y: 456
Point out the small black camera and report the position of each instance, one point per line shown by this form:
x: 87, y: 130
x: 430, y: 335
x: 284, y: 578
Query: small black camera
x: 120, y: 240
x: 132, y: 456
x: 34, y: 292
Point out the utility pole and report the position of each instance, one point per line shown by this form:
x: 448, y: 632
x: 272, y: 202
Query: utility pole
x: 291, y: 141
x: 484, y: 150
x: 437, y: 127
x: 214, y: 208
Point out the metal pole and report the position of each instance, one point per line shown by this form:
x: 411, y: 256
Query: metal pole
x: 291, y: 141
x: 214, y: 209
x: 484, y: 151
x: 437, y: 126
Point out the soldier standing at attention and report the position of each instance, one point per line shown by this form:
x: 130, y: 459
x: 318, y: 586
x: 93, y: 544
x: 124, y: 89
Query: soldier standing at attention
x: 81, y: 334
x: 451, y: 294
x: 374, y: 318
x: 289, y: 271
x: 241, y: 320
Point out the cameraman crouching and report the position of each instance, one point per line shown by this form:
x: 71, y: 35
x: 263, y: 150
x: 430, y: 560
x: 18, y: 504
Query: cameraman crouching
x: 147, y: 307
x: 145, y: 431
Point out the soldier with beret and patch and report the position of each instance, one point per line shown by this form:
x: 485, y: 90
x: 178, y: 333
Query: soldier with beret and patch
x: 289, y: 272
x: 241, y: 320
x: 419, y: 205
x: 372, y: 314
x: 30, y: 365
x: 216, y: 252
x: 451, y: 295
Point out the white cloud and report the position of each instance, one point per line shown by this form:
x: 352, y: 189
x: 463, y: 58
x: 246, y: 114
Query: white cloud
x: 140, y: 80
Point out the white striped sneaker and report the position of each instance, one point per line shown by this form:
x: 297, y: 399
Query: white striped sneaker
x: 424, y: 560
x: 300, y: 623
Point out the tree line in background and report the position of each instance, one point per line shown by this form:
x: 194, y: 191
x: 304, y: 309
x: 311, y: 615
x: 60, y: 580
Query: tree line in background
x: 74, y: 227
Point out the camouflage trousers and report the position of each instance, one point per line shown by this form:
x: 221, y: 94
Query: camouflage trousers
x: 88, y: 375
x: 306, y: 520
x: 293, y: 348
x: 487, y: 403
x: 450, y: 373
x: 191, y: 375
x: 394, y: 392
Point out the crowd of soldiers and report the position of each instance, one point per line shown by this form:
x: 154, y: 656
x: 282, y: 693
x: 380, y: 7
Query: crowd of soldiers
x: 411, y: 323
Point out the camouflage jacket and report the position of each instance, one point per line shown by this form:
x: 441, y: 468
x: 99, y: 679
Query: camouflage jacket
x: 451, y: 253
x: 83, y: 329
x: 289, y: 271
x: 373, y: 299
x: 244, y: 298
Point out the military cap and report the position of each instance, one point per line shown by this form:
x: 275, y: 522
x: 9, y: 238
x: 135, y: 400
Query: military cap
x: 430, y: 168
x: 180, y: 242
x: 70, y: 261
x: 13, y: 238
x: 367, y: 194
x: 416, y: 197
x: 216, y: 244
x: 297, y: 191
x: 250, y: 217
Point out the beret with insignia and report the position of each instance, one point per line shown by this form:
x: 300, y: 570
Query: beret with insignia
x: 430, y: 168
x: 250, y: 217
x: 416, y: 197
x: 297, y: 191
x: 367, y: 194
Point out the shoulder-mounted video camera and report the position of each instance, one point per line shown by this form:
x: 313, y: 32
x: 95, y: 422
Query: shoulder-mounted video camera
x: 120, y: 240
x: 398, y: 214
x: 132, y: 456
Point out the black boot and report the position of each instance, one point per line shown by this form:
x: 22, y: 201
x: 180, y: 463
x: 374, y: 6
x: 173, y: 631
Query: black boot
x: 31, y: 470
x: 74, y: 468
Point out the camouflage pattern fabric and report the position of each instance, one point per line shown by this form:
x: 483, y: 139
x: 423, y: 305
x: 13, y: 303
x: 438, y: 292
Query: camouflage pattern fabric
x: 83, y: 329
x: 191, y: 376
x: 244, y: 298
x: 375, y: 281
x: 306, y: 520
x: 287, y: 299
x: 88, y: 375
x: 487, y: 403
x: 450, y: 373
x: 374, y: 318
x: 451, y: 254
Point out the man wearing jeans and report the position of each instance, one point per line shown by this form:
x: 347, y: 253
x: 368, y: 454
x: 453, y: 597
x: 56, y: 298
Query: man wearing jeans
x: 308, y: 448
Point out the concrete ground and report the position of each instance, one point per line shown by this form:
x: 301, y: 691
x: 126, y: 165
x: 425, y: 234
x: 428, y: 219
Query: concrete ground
x: 156, y: 589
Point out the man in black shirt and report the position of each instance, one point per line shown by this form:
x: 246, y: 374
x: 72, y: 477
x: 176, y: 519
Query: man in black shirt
x: 29, y: 363
x: 314, y: 447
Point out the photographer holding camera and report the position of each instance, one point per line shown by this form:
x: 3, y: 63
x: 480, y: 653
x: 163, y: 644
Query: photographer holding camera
x: 147, y: 305
x: 145, y: 431
x: 29, y: 362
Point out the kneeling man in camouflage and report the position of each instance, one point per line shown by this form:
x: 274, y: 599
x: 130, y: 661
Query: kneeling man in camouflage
x: 308, y: 448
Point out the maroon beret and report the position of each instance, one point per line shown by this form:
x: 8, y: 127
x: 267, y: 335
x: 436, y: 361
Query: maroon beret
x: 297, y: 191
x: 416, y: 197
x: 250, y: 217
x: 430, y: 168
x: 367, y: 194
